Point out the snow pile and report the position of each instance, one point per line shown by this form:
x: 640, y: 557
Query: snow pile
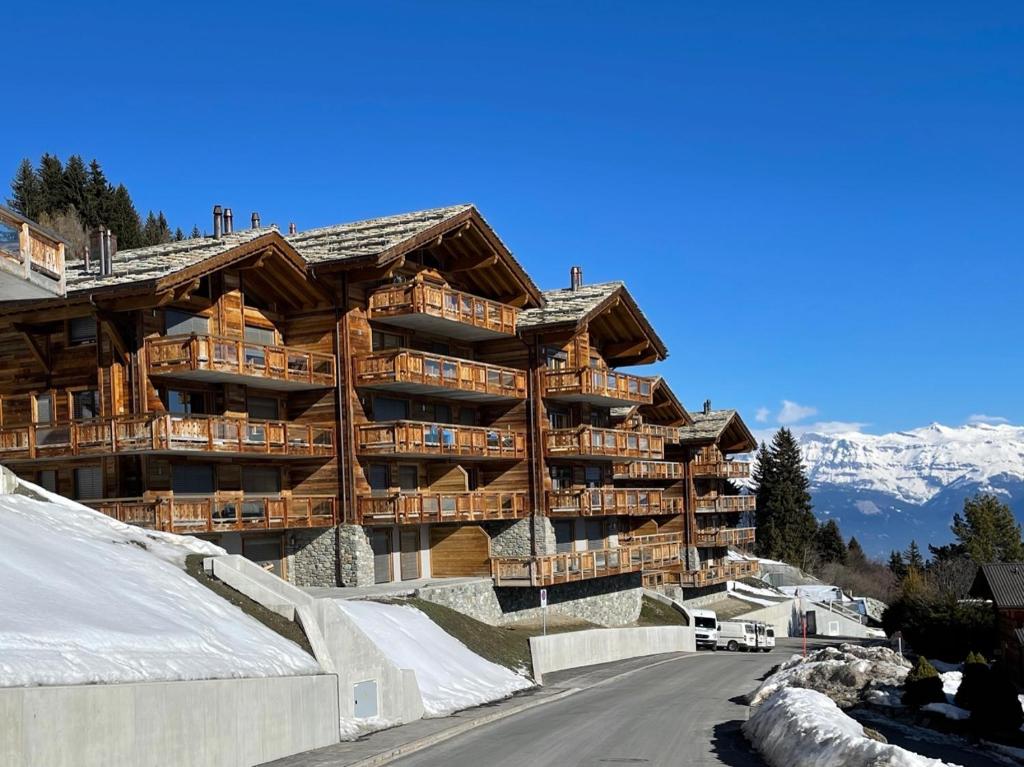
x: 86, y: 599
x: 450, y: 676
x: 804, y: 728
x: 951, y: 683
x: 947, y: 710
x: 848, y: 674
x: 752, y: 594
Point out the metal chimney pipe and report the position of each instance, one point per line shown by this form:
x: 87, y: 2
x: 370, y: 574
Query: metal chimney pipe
x: 575, y: 277
x: 229, y: 221
x: 291, y: 228
x: 217, y: 221
x: 255, y: 220
x: 106, y: 267
x: 707, y: 406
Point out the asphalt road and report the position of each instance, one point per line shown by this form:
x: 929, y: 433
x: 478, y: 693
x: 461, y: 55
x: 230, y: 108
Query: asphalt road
x: 681, y: 713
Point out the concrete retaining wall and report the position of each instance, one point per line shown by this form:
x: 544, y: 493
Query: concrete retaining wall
x: 784, y: 617
x: 233, y: 722
x: 574, y: 649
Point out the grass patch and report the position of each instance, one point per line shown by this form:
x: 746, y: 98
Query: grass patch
x: 276, y: 623
x: 655, y: 613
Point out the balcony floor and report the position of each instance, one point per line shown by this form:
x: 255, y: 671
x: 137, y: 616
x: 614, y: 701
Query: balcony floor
x: 217, y: 376
x: 438, y: 326
x: 443, y: 392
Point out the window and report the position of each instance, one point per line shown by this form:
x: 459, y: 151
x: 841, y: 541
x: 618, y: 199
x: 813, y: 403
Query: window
x: 408, y: 478
x: 561, y: 477
x: 558, y: 419
x: 377, y: 477
x: 382, y: 341
x: 185, y: 402
x: 192, y: 479
x: 564, y: 537
x: 81, y: 330
x: 437, y: 347
x: 47, y: 479
x: 595, y: 534
x: 388, y: 409
x: 85, y: 404
x: 88, y: 483
x: 261, y: 480
x: 178, y: 322
x: 467, y: 416
x: 257, y: 335
x: 265, y: 408
x: 593, y: 476
x: 556, y: 359
x: 44, y: 408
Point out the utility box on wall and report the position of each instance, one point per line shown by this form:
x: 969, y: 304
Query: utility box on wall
x: 365, y: 699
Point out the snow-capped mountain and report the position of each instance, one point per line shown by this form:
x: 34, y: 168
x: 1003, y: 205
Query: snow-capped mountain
x: 889, y: 488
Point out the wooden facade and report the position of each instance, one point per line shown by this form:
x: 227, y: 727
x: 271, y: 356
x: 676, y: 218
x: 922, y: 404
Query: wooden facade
x: 418, y: 385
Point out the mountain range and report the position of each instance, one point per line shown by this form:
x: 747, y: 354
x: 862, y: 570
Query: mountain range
x: 891, y: 488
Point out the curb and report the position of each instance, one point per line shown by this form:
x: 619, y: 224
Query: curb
x: 390, y: 755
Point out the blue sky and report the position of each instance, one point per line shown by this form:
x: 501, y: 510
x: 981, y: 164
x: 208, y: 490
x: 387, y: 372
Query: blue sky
x: 817, y: 204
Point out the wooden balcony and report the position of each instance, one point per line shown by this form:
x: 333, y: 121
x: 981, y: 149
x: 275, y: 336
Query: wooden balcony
x: 222, y: 512
x: 671, y: 471
x: 722, y: 469
x: 633, y: 557
x: 441, y: 310
x: 718, y: 571
x: 414, y: 372
x: 31, y: 261
x: 597, y: 387
x: 598, y: 501
x: 232, y: 360
x: 403, y: 508
x: 592, y: 442
x: 439, y: 440
x: 726, y: 504
x: 725, y: 536
x: 167, y: 433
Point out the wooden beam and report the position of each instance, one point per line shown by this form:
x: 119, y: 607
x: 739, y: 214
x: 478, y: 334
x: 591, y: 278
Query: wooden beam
x: 372, y: 273
x: 41, y: 354
x: 469, y: 265
x: 116, y: 340
x: 627, y: 349
x: 517, y: 300
x: 255, y: 262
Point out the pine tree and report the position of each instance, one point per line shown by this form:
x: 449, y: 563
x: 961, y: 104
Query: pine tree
x: 163, y: 228
x: 75, y: 181
x: 855, y: 556
x: 98, y: 198
x: 768, y: 538
x: 784, y: 503
x: 897, y: 565
x: 178, y: 235
x: 196, y: 234
x: 26, y: 192
x: 124, y: 220
x: 988, y: 531
x: 830, y: 543
x: 51, y: 182
x: 914, y: 558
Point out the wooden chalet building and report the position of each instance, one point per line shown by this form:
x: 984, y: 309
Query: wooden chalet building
x: 383, y: 400
x: 1002, y: 583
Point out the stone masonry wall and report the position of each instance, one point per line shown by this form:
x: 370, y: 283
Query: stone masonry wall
x: 475, y: 599
x: 355, y: 556
x: 512, y: 539
x: 312, y: 557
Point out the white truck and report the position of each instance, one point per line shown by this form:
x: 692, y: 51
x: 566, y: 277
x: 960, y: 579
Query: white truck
x: 705, y: 628
x: 737, y: 635
x: 765, y: 637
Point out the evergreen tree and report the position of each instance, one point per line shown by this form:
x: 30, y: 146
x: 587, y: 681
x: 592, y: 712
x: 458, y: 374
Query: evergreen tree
x: 784, y: 503
x: 855, y: 556
x: 178, y: 235
x: 896, y: 565
x: 988, y: 531
x: 913, y: 557
x: 26, y: 192
x: 124, y: 220
x: 99, y: 197
x: 163, y: 228
x: 196, y: 234
x: 830, y: 543
x: 75, y: 181
x: 51, y: 182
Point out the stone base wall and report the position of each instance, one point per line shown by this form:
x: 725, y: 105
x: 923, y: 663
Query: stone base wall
x: 355, y: 556
x: 312, y: 557
x: 614, y: 601
x: 512, y: 539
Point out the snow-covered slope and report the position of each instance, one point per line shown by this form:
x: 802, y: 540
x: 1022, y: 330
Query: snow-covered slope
x: 87, y: 599
x: 888, y: 489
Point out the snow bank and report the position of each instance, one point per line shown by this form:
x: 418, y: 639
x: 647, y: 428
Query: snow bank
x: 950, y: 682
x: 947, y: 710
x: 740, y: 586
x: 804, y: 728
x: 848, y: 674
x: 450, y: 676
x: 87, y: 599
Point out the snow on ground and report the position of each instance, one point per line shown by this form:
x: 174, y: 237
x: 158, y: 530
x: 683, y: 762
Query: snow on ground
x: 87, y: 599
x: 804, y: 728
x: 947, y: 710
x: 450, y: 676
x: 951, y: 683
x: 824, y: 593
x: 747, y: 589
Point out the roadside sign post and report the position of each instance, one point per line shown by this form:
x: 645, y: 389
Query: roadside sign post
x: 544, y: 609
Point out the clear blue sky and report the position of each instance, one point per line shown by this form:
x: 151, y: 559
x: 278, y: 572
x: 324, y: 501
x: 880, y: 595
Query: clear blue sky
x: 820, y: 203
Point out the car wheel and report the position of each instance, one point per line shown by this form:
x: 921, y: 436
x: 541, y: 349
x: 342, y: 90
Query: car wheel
x: 732, y: 646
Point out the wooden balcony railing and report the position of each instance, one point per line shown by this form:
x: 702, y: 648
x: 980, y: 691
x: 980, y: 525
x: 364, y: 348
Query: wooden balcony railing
x: 582, y: 565
x: 414, y: 507
x: 597, y: 386
x: 420, y: 372
x: 725, y: 504
x: 593, y: 442
x: 439, y: 440
x: 653, y: 470
x: 725, y: 536
x: 222, y: 512
x: 599, y: 501
x: 718, y: 571
x: 215, y: 358
x: 166, y: 433
x: 401, y: 303
x: 29, y: 253
x: 722, y: 469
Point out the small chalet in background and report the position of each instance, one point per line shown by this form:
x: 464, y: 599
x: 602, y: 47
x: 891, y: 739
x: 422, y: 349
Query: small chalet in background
x: 1003, y: 584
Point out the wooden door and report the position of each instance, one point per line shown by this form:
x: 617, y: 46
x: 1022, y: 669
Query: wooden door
x: 409, y: 551
x: 380, y: 542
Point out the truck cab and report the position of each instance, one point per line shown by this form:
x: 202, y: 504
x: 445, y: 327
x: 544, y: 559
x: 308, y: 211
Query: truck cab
x: 705, y: 628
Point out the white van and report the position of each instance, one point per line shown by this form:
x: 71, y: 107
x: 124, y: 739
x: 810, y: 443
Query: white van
x: 705, y: 628
x: 765, y: 637
x: 737, y: 635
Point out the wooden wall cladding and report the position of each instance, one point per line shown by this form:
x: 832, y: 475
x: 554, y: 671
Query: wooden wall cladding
x: 459, y: 551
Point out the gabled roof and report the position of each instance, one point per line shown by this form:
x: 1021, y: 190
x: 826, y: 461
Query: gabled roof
x: 718, y: 426
x: 1002, y: 582
x: 666, y: 409
x: 568, y: 307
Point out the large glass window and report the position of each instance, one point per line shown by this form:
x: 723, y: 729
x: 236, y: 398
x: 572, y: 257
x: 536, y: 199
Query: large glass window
x: 265, y: 408
x: 408, y: 478
x: 257, y: 335
x: 192, y: 479
x: 183, y: 323
x: 261, y: 480
x: 377, y: 477
x: 47, y: 479
x: 88, y: 482
x: 85, y: 404
x: 383, y: 341
x: 82, y: 330
x: 44, y: 408
x: 185, y: 402
x: 388, y: 409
